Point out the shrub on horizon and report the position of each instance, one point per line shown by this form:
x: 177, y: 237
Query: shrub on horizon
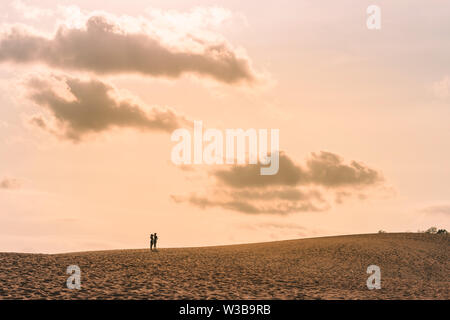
x: 432, y: 230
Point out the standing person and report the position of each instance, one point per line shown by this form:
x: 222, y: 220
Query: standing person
x: 152, y: 241
x: 155, y: 238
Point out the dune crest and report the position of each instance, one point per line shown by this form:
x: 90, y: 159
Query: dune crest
x: 413, y: 266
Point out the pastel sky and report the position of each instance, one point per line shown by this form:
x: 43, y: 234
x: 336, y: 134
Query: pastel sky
x: 90, y: 92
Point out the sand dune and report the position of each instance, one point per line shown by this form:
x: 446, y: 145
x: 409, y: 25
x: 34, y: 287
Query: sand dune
x: 413, y: 266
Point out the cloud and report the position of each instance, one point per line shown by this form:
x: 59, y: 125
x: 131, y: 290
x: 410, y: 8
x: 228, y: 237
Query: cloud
x: 441, y: 88
x: 295, y: 188
x: 252, y: 203
x: 289, y: 174
x: 8, y: 183
x: 323, y: 169
x: 105, y: 46
x: 329, y: 170
x: 441, y: 209
x: 291, y: 194
x: 92, y: 106
x: 30, y: 12
x: 196, y: 20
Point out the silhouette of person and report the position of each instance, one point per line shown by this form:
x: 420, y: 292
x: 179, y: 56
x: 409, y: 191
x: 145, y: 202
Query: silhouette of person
x: 155, y: 238
x: 152, y: 241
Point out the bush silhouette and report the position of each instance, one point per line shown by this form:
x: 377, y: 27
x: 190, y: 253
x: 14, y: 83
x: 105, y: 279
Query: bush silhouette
x: 432, y: 230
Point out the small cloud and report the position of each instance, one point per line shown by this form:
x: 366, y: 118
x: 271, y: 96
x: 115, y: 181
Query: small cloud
x: 30, y: 12
x: 341, y: 196
x: 39, y: 122
x: 441, y: 88
x: 440, y: 209
x: 8, y: 183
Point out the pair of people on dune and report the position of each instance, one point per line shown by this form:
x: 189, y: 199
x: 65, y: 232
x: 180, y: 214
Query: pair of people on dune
x: 153, y: 239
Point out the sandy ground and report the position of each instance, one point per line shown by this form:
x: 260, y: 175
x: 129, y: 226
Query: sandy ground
x: 413, y: 266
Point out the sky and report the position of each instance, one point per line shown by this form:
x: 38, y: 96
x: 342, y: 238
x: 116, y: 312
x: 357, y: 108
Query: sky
x: 91, y: 91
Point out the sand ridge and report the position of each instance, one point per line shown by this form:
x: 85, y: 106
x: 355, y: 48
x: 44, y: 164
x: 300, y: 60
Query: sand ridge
x: 413, y: 266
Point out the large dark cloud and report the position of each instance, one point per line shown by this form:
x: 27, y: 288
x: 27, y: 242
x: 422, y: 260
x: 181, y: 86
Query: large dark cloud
x: 295, y: 188
x: 94, y: 109
x: 323, y: 169
x: 329, y: 170
x: 289, y: 174
x: 103, y: 47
